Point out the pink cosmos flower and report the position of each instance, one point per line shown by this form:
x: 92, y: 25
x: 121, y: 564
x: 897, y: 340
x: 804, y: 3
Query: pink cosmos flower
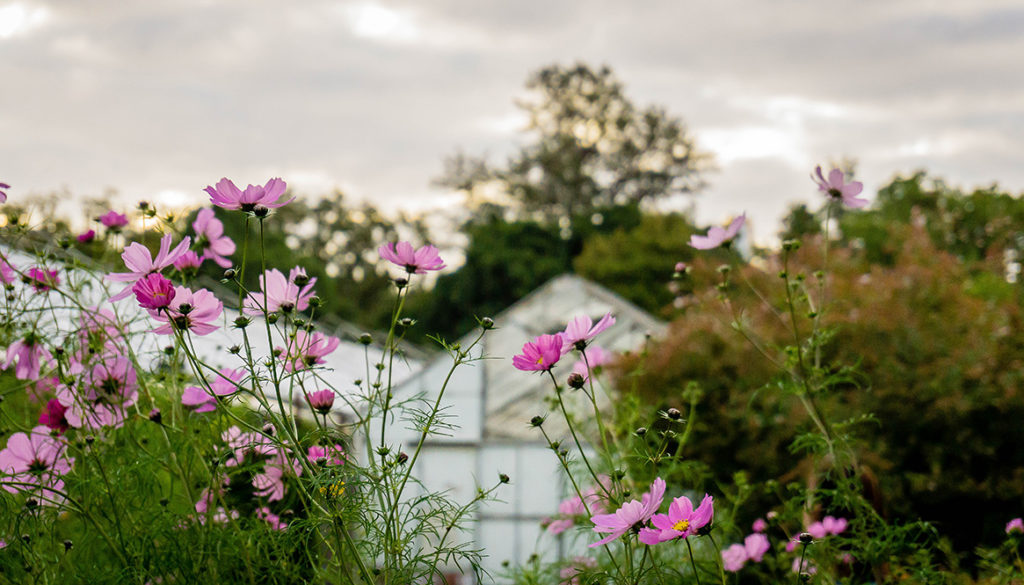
x: 570, y: 574
x: 838, y: 189
x: 817, y: 530
x: 225, y: 384
x: 632, y: 513
x: 270, y: 518
x: 138, y: 259
x: 734, y: 557
x: 53, y: 416
x: 98, y: 333
x: 210, y: 238
x: 681, y: 521
x: 35, y: 458
x: 3, y: 193
x: 86, y: 237
x: 113, y: 220
x: 7, y: 273
x: 153, y: 291
x: 270, y: 483
x: 541, y: 354
x: 414, y: 262
x: 1015, y: 526
x: 759, y: 525
x: 596, y: 357
x: 246, y: 445
x: 282, y: 294
x: 102, y: 397
x: 717, y: 235
x: 333, y: 455
x: 321, y: 401
x: 807, y: 566
x: 228, y: 196
x: 30, y: 354
x: 581, y: 330
x: 193, y: 311
x: 306, y: 350
x: 41, y: 279
x: 756, y: 545
x: 188, y: 262
x: 833, y: 525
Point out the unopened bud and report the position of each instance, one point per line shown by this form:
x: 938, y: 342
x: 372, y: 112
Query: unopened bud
x: 366, y: 339
x: 576, y: 380
x: 503, y: 478
x: 806, y: 538
x: 536, y: 421
x: 641, y: 431
x: 486, y: 323
x: 674, y: 414
x: 261, y: 211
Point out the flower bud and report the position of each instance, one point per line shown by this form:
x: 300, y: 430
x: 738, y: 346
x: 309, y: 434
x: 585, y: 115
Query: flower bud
x: 230, y: 273
x: 674, y: 414
x: 576, y: 380
x: 806, y: 538
x: 68, y: 545
x: 366, y: 339
x: 316, y: 302
x: 402, y: 458
x: 641, y: 431
x: 242, y: 322
x: 486, y: 323
x: 503, y: 478
x: 261, y: 211
x: 536, y: 421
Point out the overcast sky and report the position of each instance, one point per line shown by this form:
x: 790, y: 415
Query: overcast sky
x: 158, y: 99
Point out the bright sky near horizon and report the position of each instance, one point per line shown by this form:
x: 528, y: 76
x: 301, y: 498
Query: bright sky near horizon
x: 158, y: 99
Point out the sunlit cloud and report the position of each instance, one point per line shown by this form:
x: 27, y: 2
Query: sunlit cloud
x: 504, y: 124
x: 754, y: 142
x: 381, y: 23
x: 18, y: 18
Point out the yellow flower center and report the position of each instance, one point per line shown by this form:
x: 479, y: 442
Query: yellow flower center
x: 681, y: 526
x: 540, y: 360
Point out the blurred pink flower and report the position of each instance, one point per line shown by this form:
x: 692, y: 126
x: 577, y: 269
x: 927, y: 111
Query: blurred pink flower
x: 419, y: 261
x: 807, y: 566
x: 334, y: 455
x: 681, y: 521
x: 270, y: 518
x: 833, y: 525
x: 53, y: 416
x: 321, y: 401
x: 41, y: 279
x: 86, y: 237
x: 581, y: 330
x: 3, y: 192
x: 759, y: 525
x: 102, y: 396
x: 210, y: 238
x: 189, y: 261
x: 541, y: 354
x: 113, y: 220
x: 629, y: 514
x: 838, y: 189
x: 1015, y: 526
x: 228, y: 196
x: 30, y: 354
x: 734, y: 557
x: 306, y: 350
x: 817, y: 530
x: 7, y: 273
x: 153, y: 291
x: 570, y: 573
x: 596, y: 357
x: 193, y: 311
x: 281, y: 294
x: 38, y: 459
x: 717, y: 235
x: 270, y: 483
x: 140, y: 262
x: 225, y: 383
x: 756, y: 545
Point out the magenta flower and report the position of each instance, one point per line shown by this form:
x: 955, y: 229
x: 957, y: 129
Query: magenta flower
x: 631, y: 514
x: 228, y: 196
x: 333, y: 455
x: 306, y: 350
x: 838, y: 189
x: 7, y: 273
x: 581, y: 330
x: 86, y: 237
x: 833, y: 525
x: 680, y: 522
x: 541, y: 354
x: 806, y: 567
x: 193, y: 311
x: 718, y: 236
x: 153, y: 291
x: 35, y: 458
x: 756, y: 545
x: 419, y: 261
x: 1015, y: 526
x: 140, y: 262
x: 270, y: 483
x: 273, y: 520
x: 102, y: 396
x: 210, y: 238
x: 281, y: 294
x: 225, y: 384
x: 759, y: 525
x: 3, y: 193
x: 596, y: 357
x: 321, y: 401
x: 41, y: 279
x: 53, y: 416
x: 113, y: 220
x: 30, y: 354
x: 188, y: 262
x: 734, y: 557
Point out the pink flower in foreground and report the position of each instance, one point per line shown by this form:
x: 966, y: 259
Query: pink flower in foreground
x: 140, y: 262
x: 581, y: 330
x: 280, y: 293
x: 541, y: 354
x: 210, y: 238
x: 1015, y: 526
x: 35, y: 459
x: 225, y: 384
x: 86, y: 237
x: 41, y: 279
x: 3, y: 193
x: 153, y: 291
x: 632, y: 513
x: 717, y: 235
x: 306, y: 350
x: 333, y: 455
x: 833, y: 525
x: 838, y: 189
x: 756, y: 545
x: 30, y: 354
x: 321, y: 401
x: 113, y: 220
x: 53, y: 416
x: 193, y: 311
x: 414, y: 262
x: 681, y: 521
x: 228, y: 196
x: 102, y: 396
x: 734, y: 557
